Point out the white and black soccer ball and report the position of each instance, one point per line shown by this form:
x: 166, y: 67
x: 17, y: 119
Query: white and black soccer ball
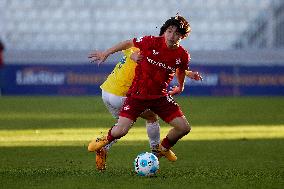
x: 146, y: 164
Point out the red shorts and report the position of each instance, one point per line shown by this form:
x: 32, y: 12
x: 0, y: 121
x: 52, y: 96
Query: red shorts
x: 165, y: 107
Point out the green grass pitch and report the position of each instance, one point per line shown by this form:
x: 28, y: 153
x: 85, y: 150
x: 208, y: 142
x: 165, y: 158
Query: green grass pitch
x: 236, y: 142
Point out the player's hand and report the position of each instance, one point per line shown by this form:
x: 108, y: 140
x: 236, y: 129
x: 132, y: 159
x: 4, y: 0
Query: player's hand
x: 196, y: 76
x: 98, y: 56
x: 175, y: 90
x: 136, y: 56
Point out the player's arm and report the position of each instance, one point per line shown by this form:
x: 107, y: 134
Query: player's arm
x: 180, y: 74
x: 101, y: 56
x: 193, y: 75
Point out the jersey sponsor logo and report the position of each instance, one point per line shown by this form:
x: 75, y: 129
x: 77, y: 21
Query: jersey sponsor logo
x: 138, y: 40
x: 160, y: 64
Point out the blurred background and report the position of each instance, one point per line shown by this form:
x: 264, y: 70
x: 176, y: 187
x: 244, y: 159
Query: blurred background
x: 237, y: 45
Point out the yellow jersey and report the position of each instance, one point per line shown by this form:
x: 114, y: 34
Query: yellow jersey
x: 120, y: 79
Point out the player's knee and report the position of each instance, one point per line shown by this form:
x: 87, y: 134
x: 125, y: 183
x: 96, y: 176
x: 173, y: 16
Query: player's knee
x: 119, y: 131
x: 186, y: 129
x: 124, y: 132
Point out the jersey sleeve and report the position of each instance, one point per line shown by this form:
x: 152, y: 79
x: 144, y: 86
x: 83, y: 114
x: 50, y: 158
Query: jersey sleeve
x: 143, y: 42
x: 185, y: 61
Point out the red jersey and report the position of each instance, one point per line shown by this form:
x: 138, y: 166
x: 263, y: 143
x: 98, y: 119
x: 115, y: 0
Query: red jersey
x: 157, y: 68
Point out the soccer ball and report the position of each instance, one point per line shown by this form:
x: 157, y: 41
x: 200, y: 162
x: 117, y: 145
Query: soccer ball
x: 146, y: 164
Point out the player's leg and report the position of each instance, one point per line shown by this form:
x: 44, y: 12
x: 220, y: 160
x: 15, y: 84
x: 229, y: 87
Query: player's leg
x: 131, y: 109
x: 113, y: 103
x: 153, y: 129
x: 168, y: 110
x: 180, y: 128
x: 120, y: 129
x: 117, y: 131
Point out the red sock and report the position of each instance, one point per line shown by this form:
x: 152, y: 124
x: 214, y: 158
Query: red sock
x: 166, y: 143
x: 110, y: 138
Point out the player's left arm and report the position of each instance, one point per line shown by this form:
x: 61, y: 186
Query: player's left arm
x: 193, y: 75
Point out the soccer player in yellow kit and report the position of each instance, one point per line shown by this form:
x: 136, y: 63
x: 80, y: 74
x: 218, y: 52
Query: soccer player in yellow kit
x: 114, y: 91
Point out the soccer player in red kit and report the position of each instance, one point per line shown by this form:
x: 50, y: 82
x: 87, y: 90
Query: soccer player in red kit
x: 162, y: 58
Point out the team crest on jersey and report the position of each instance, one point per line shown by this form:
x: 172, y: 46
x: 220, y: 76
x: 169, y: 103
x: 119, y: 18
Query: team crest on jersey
x: 178, y: 61
x: 127, y: 107
x: 123, y: 60
x: 139, y: 39
x: 155, y: 52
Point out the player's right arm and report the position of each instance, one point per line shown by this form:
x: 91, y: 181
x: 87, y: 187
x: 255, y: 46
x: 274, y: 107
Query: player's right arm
x: 180, y: 74
x: 101, y: 56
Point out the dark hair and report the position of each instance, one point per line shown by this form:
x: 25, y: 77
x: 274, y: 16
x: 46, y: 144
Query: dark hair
x: 180, y: 22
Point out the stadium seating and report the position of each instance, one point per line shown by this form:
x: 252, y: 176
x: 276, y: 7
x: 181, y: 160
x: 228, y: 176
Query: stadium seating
x: 266, y: 30
x: 97, y: 24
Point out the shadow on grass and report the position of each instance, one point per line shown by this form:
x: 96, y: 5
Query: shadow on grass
x: 209, y: 164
